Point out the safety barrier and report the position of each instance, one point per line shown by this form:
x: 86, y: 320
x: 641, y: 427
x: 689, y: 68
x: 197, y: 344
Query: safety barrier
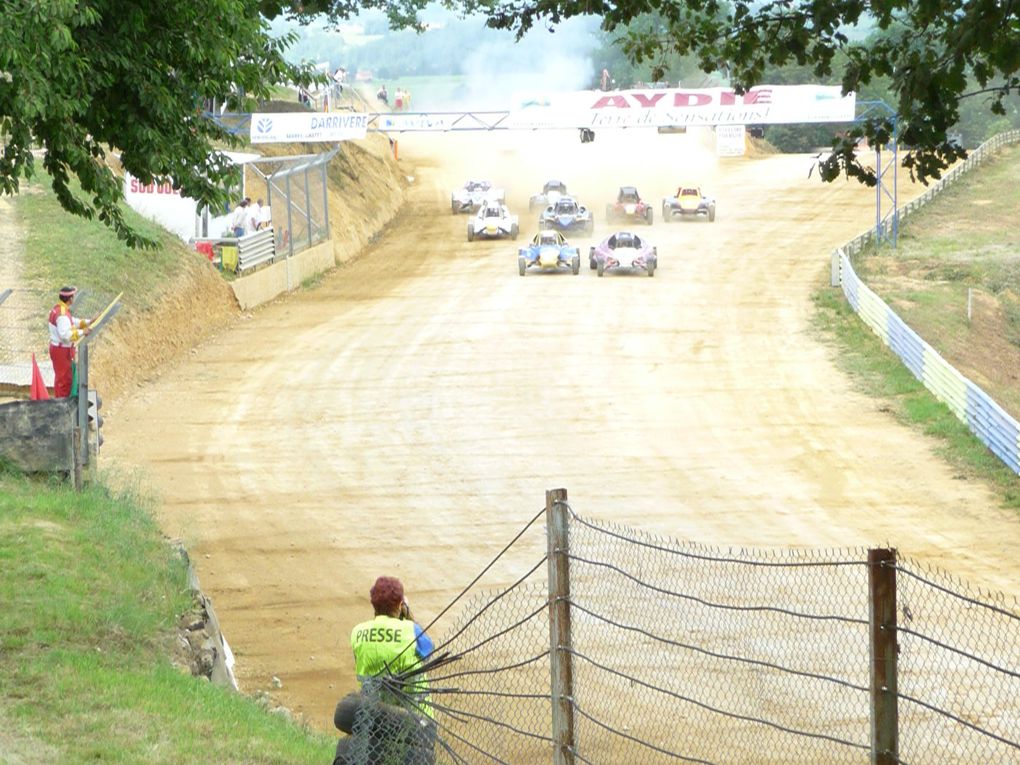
x: 256, y: 249
x: 998, y: 430
x: 613, y: 645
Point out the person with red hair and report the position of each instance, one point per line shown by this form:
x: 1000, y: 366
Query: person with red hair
x: 388, y: 646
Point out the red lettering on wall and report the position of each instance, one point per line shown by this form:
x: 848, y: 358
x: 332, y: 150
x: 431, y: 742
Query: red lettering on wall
x: 619, y: 102
x: 645, y: 101
x: 691, y: 99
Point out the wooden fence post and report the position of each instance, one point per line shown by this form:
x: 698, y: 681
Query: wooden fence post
x: 884, y: 649
x: 561, y: 661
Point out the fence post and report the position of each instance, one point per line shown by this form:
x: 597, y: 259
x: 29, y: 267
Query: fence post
x: 884, y: 648
x: 561, y: 660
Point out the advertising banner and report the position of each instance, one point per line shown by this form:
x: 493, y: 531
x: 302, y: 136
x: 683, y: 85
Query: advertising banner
x: 729, y: 141
x: 762, y: 105
x: 308, y: 127
x: 163, y: 204
x: 417, y: 121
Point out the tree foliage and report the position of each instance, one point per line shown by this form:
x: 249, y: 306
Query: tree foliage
x: 81, y: 79
x: 934, y: 53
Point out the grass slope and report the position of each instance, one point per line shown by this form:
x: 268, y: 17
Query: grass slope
x: 91, y: 593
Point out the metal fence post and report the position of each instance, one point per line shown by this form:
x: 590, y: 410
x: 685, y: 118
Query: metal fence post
x: 325, y: 199
x: 884, y: 648
x: 561, y: 662
x: 290, y: 218
x: 308, y: 207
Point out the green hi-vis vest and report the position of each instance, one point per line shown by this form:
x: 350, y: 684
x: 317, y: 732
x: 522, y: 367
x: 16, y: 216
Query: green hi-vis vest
x: 384, y: 646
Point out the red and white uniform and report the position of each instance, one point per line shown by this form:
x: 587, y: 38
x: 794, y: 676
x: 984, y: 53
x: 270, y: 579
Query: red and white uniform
x: 65, y: 330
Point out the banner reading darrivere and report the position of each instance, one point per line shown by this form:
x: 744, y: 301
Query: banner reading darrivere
x: 762, y: 105
x: 307, y: 127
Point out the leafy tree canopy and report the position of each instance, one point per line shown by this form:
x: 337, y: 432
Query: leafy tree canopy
x: 933, y: 53
x: 80, y: 79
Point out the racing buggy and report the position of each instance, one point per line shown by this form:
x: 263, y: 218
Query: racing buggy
x: 492, y: 221
x: 473, y: 195
x: 689, y: 202
x: 551, y: 193
x: 623, y: 250
x: 630, y: 207
x: 548, y: 251
x: 567, y: 215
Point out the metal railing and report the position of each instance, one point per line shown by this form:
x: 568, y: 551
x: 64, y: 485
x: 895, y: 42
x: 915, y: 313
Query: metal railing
x: 996, y: 428
x: 256, y: 249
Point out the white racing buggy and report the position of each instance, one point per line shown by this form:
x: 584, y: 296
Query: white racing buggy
x: 473, y: 195
x: 551, y: 193
x: 493, y: 221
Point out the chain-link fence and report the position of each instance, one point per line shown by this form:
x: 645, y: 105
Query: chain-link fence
x: 24, y: 321
x: 297, y: 193
x: 649, y: 650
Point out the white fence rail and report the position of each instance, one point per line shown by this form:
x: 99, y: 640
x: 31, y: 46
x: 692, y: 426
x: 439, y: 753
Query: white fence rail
x: 255, y: 249
x: 999, y: 431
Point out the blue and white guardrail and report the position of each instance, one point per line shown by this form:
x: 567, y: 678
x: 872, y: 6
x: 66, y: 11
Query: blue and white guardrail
x: 998, y: 430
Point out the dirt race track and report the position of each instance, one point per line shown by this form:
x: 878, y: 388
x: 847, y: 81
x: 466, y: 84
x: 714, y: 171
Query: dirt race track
x: 407, y: 415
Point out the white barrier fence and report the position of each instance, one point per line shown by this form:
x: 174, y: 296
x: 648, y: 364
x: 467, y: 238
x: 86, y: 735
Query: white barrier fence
x: 986, y: 419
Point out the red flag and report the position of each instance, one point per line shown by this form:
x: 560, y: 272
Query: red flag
x: 39, y: 392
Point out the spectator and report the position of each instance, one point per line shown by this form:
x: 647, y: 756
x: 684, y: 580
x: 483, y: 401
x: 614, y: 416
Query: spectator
x: 604, y: 80
x: 398, y: 99
x: 266, y: 219
x: 383, y: 96
x: 65, y: 331
x: 407, y: 100
x: 237, y: 223
x: 254, y: 218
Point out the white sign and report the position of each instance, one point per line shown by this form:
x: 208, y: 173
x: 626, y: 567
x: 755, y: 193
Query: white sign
x: 418, y: 121
x: 307, y: 127
x: 729, y: 141
x: 161, y: 203
x: 762, y: 105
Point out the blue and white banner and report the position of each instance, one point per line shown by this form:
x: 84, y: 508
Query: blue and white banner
x: 307, y: 127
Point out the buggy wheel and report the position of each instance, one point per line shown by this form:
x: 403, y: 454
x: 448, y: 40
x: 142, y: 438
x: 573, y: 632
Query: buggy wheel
x: 649, y: 216
x: 514, y: 230
x: 600, y: 267
x: 711, y: 215
x: 575, y: 265
x: 522, y: 265
x: 651, y: 268
x: 471, y: 233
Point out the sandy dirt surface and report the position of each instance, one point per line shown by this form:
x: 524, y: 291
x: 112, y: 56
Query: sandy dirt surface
x: 408, y: 414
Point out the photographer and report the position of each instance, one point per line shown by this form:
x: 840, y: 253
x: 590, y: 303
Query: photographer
x: 389, y: 713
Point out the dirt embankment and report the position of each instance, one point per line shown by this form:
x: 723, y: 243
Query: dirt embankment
x: 366, y: 191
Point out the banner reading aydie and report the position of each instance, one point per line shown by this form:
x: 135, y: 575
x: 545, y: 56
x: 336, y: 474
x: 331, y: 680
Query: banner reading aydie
x: 307, y: 127
x: 762, y: 105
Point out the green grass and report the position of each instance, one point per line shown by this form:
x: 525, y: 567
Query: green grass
x: 91, y: 593
x: 878, y: 372
x: 61, y: 248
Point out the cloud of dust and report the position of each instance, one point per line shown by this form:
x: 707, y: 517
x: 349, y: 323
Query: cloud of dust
x: 500, y: 70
